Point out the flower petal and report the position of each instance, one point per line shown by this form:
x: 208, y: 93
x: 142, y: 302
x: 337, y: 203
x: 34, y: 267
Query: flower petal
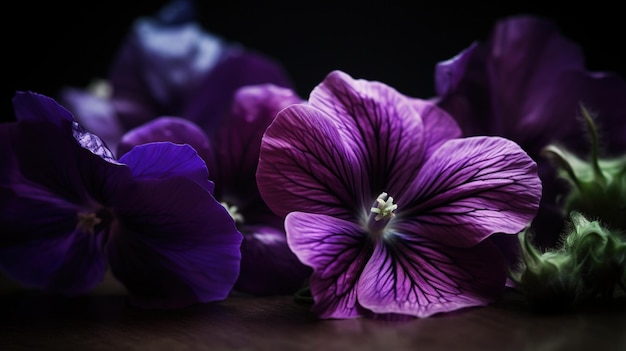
x: 175, y: 245
x: 469, y: 189
x: 304, y: 165
x: 440, y: 125
x: 33, y: 107
x: 164, y: 160
x: 268, y: 266
x: 414, y: 276
x: 380, y: 125
x: 337, y: 250
x: 173, y: 129
x: 95, y: 113
x: 238, y: 141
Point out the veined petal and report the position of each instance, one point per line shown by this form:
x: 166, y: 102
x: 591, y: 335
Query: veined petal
x: 237, y: 141
x: 174, y: 245
x: 414, y: 276
x: 471, y: 188
x: 337, y: 250
x: 165, y: 160
x: 268, y: 266
x: 381, y: 125
x: 440, y: 126
x: 304, y: 165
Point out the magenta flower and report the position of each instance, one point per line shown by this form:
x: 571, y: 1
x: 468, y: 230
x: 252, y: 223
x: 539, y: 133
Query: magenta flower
x: 526, y: 82
x: 71, y: 210
x: 169, y: 66
x: 231, y: 153
x: 392, y: 210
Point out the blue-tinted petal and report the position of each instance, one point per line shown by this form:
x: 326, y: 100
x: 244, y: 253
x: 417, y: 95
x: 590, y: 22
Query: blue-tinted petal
x: 165, y: 160
x: 337, y: 250
x: 470, y: 189
x: 33, y: 107
x: 304, y: 165
x: 268, y: 266
x: 414, y: 276
x: 174, y: 245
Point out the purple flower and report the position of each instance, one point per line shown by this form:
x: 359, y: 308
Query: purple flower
x: 393, y: 211
x: 70, y: 210
x: 526, y: 83
x: 231, y: 152
x: 169, y: 66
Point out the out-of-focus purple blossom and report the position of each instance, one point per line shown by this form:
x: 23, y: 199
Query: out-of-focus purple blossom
x: 231, y: 152
x: 169, y: 65
x: 526, y: 82
x: 71, y: 210
x: 393, y: 211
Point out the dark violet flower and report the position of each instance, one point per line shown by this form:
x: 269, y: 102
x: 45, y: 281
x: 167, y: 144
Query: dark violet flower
x: 526, y: 83
x: 70, y: 210
x: 393, y: 211
x: 231, y: 152
x: 169, y: 66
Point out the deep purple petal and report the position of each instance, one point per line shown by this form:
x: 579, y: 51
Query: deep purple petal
x: 414, y: 276
x: 238, y: 141
x: 173, y: 129
x: 304, y: 165
x: 175, y: 245
x: 33, y: 107
x: 469, y: 189
x: 439, y: 126
x: 337, y: 250
x: 165, y: 160
x: 379, y: 124
x: 239, y: 67
x: 268, y: 266
x: 95, y: 113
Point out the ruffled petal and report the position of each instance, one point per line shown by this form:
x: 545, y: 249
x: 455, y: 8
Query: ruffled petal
x: 337, y: 250
x: 33, y: 107
x: 380, y: 125
x: 173, y: 129
x: 165, y: 160
x: 268, y: 266
x: 470, y: 189
x: 174, y: 245
x: 304, y: 165
x: 95, y: 113
x: 414, y: 276
x: 238, y: 141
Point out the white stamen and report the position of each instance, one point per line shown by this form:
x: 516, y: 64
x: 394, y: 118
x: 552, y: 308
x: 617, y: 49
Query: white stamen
x: 385, y: 207
x: 87, y: 222
x: 233, y: 211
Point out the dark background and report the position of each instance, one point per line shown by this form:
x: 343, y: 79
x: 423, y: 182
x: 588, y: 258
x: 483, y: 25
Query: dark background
x: 50, y: 45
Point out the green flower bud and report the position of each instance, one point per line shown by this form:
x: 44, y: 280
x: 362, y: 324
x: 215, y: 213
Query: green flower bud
x: 598, y: 186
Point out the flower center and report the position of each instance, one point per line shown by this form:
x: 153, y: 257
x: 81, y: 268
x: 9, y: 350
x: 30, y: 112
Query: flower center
x: 233, y: 211
x: 381, y: 213
x: 87, y: 222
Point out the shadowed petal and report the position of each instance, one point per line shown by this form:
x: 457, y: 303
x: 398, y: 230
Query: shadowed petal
x: 268, y: 266
x: 472, y: 188
x: 33, y: 107
x: 421, y: 278
x: 337, y: 250
x: 161, y: 160
x: 304, y: 165
x: 440, y: 126
x: 379, y: 124
x: 238, y: 140
x: 174, y: 246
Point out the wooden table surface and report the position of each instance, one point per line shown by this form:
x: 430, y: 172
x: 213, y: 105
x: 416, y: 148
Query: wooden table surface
x: 103, y: 320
